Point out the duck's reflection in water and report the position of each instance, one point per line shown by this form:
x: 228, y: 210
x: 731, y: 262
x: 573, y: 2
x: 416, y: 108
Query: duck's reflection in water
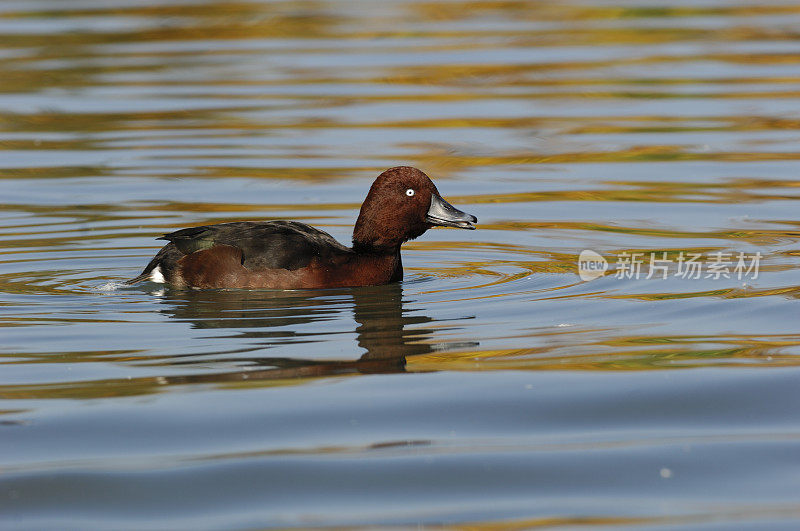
x: 274, y: 318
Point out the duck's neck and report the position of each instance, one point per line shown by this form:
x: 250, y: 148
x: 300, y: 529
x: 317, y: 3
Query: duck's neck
x: 387, y: 259
x: 372, y: 248
x: 397, y: 276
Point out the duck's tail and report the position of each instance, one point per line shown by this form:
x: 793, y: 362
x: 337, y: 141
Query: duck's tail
x: 144, y: 276
x: 159, y: 267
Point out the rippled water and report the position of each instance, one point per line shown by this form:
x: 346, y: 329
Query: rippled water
x: 493, y: 387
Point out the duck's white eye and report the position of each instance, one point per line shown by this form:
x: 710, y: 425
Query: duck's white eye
x: 409, y: 192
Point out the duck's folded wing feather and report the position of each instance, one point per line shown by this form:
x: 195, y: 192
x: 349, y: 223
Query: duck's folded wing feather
x: 264, y: 245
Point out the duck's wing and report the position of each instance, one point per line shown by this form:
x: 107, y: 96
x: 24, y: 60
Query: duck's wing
x: 264, y: 245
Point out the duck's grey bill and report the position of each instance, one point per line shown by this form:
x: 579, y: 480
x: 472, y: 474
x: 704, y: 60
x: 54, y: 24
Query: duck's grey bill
x: 444, y: 214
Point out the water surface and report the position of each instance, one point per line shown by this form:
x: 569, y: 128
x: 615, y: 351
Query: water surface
x: 493, y: 387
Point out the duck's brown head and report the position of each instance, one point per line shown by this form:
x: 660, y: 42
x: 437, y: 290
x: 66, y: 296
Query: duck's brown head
x: 401, y: 205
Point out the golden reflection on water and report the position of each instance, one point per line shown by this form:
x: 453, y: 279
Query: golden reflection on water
x: 755, y: 353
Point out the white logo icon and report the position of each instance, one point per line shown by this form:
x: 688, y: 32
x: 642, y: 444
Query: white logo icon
x: 591, y: 265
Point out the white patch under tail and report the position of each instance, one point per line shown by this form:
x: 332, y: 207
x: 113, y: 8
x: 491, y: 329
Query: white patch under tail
x: 156, y: 275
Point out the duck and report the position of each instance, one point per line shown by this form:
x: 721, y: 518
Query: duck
x: 402, y: 204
